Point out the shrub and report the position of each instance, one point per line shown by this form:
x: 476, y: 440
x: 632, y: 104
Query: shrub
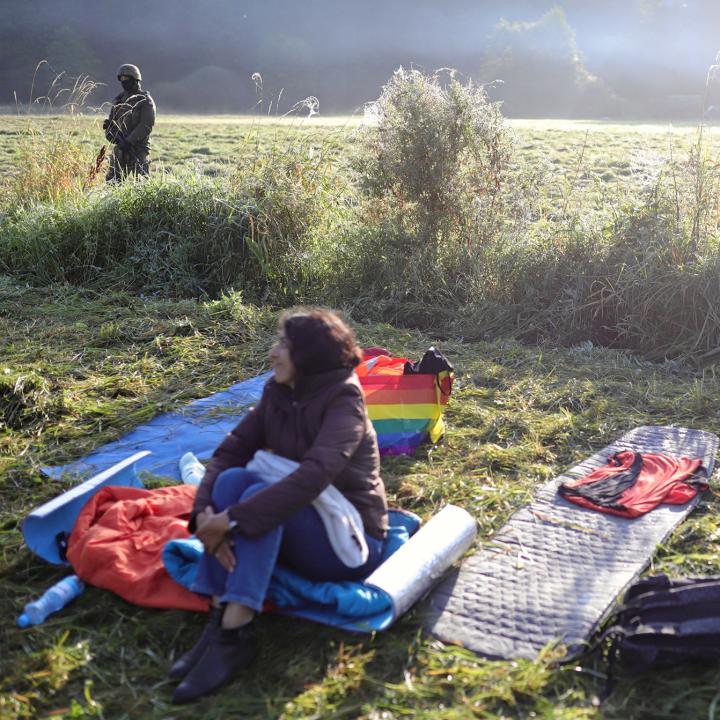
x: 181, y: 235
x: 438, y: 156
x: 657, y: 288
x: 438, y: 191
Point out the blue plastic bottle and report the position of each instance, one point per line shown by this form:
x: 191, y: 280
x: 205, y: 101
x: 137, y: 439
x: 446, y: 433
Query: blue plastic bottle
x: 52, y: 600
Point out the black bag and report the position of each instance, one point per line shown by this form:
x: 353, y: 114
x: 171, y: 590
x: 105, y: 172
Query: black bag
x: 431, y: 363
x: 664, y: 622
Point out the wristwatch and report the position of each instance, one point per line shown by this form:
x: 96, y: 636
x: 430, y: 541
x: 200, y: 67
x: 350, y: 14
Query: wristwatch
x: 232, y: 525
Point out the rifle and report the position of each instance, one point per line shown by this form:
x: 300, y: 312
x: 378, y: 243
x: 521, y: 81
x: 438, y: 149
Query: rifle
x: 95, y: 167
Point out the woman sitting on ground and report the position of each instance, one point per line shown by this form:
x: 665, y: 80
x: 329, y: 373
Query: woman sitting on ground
x: 312, y: 411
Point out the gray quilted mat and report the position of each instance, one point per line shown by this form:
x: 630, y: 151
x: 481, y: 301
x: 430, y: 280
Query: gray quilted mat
x: 554, y: 569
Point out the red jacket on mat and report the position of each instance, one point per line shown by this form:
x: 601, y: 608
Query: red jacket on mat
x: 118, y: 539
x: 632, y: 484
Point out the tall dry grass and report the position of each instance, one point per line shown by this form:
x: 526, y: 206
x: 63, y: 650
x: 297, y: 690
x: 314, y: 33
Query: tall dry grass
x: 439, y: 226
x: 54, y: 160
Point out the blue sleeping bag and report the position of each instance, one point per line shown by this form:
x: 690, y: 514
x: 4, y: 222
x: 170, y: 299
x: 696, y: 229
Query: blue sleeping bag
x: 348, y: 605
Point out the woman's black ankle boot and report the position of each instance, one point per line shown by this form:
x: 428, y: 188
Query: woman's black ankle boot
x: 182, y: 667
x: 227, y: 652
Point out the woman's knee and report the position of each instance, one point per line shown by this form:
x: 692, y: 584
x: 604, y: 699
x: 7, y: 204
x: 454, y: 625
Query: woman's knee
x: 231, y: 485
x: 255, y: 486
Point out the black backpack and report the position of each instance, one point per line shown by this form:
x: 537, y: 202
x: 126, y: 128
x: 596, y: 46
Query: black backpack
x: 664, y: 622
x: 431, y: 363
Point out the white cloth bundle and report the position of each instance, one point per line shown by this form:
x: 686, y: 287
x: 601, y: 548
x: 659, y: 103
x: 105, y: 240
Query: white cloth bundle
x: 342, y: 521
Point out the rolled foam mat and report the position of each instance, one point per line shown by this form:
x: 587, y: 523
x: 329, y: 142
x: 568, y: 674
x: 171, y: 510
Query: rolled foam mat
x: 553, y: 571
x: 413, y: 569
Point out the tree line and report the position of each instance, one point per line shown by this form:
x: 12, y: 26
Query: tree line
x: 574, y: 58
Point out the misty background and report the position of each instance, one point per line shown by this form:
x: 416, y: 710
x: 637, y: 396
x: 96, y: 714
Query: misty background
x: 574, y: 58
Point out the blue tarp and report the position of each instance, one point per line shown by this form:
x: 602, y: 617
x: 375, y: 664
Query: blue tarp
x: 198, y: 428
x: 349, y: 605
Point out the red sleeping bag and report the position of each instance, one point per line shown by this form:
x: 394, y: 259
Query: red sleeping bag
x: 118, y: 539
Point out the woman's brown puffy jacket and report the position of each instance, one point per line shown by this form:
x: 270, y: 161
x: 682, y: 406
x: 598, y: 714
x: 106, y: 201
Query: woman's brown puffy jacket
x: 323, y: 425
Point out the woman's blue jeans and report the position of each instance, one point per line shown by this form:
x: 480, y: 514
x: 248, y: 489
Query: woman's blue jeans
x: 300, y: 544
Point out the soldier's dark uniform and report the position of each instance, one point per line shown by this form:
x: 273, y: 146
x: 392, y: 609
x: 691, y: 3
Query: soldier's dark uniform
x: 128, y: 127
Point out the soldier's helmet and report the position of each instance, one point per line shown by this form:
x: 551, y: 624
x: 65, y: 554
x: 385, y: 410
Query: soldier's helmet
x: 132, y: 71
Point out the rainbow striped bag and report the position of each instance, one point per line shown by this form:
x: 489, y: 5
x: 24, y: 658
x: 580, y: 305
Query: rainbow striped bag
x: 404, y: 406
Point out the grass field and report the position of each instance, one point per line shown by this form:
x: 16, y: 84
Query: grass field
x: 209, y: 144
x: 619, y: 155
x: 81, y: 369
x: 80, y: 366
x: 590, y: 168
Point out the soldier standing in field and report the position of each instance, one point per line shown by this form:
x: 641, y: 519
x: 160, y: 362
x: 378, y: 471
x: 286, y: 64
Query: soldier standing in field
x: 129, y: 125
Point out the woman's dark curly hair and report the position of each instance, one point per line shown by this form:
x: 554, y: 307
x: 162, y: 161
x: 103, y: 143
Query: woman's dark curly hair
x: 319, y: 341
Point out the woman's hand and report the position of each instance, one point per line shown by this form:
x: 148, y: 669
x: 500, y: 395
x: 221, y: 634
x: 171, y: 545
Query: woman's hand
x: 225, y: 555
x: 212, y: 530
x: 200, y: 518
